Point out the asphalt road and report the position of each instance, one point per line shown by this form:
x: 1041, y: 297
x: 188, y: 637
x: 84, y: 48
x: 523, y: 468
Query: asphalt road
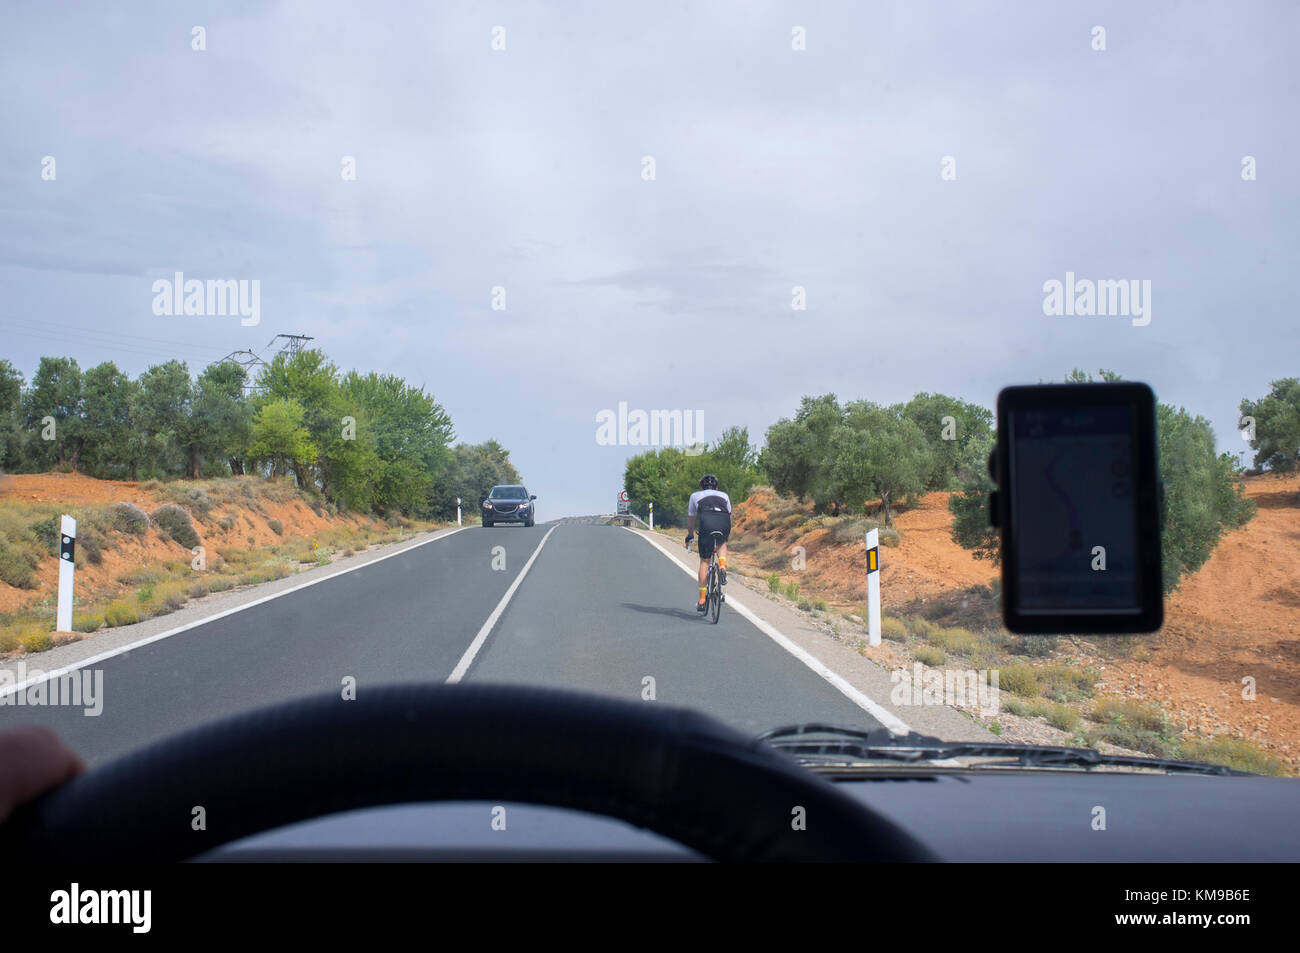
x: 598, y: 610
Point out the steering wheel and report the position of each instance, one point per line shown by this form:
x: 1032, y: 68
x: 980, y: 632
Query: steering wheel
x: 671, y: 770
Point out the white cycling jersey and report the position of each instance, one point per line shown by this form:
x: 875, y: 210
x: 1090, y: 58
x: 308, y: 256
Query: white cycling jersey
x: 704, y: 496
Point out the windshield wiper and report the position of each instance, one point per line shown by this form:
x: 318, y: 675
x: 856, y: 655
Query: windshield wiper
x: 832, y: 744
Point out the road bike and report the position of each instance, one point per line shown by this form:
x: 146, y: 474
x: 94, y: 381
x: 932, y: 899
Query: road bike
x: 713, y: 594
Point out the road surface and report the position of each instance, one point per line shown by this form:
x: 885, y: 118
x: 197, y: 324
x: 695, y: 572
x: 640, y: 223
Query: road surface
x: 590, y: 607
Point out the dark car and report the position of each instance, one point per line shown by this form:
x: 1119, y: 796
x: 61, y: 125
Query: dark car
x: 508, y: 504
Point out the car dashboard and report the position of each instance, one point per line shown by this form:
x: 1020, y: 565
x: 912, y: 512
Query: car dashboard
x: 998, y: 815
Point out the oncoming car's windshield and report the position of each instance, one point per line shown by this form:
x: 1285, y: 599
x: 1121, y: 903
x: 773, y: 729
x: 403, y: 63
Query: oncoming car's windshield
x: 294, y: 296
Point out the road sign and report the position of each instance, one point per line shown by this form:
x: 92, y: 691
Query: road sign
x: 623, y: 505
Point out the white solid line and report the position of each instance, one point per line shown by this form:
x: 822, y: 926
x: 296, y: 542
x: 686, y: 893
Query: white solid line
x: 467, y: 659
x: 863, y: 701
x: 104, y: 656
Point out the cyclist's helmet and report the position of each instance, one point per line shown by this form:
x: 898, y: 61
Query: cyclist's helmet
x: 708, y: 482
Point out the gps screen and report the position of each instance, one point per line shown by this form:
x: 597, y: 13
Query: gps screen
x: 1074, y: 510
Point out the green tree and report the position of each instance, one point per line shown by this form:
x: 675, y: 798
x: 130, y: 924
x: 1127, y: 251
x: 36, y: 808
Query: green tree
x: 970, y: 519
x: 1277, y: 426
x: 221, y: 420
x: 1204, y: 498
x: 878, y: 454
x: 162, y: 440
x: 405, y: 432
x: 668, y: 476
x: 799, y: 453
x: 106, y: 399
x: 311, y: 380
x: 281, y: 440
x: 473, y: 471
x: 11, y: 431
x: 958, y: 435
x: 54, y: 398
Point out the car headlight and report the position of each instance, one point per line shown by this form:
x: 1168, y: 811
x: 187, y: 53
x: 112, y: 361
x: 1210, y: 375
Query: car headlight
x: 487, y: 505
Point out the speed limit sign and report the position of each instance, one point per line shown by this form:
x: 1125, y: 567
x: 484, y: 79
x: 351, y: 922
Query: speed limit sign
x: 622, y: 503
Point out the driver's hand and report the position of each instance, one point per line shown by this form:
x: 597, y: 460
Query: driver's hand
x: 32, y: 760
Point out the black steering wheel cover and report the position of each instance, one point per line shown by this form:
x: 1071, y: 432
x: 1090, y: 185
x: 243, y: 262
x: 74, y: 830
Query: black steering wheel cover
x: 671, y: 770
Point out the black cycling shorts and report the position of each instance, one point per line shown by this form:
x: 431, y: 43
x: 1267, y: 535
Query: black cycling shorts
x: 709, y: 523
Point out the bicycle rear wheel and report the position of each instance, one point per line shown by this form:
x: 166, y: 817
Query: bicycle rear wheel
x: 715, y: 593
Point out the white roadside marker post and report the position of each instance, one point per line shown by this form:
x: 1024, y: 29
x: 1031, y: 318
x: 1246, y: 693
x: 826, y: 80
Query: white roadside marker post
x: 67, y: 568
x: 652, y: 516
x: 458, y: 522
x: 873, y: 587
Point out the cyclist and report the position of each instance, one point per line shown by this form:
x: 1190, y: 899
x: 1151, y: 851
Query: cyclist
x: 712, y: 507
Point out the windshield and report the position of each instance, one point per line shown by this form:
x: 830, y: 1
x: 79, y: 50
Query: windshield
x: 281, y: 310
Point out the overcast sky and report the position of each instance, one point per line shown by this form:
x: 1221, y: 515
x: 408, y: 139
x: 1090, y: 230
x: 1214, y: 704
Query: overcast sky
x: 774, y: 167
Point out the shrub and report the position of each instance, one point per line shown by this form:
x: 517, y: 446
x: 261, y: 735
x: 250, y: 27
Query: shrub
x: 1233, y: 753
x: 1144, y: 715
x: 176, y: 523
x: 47, y: 533
x: 129, y: 518
x: 953, y: 639
x: 849, y: 530
x: 1062, y: 716
x: 194, y: 498
x: 1133, y: 738
x: 199, y: 588
x: 929, y: 655
x: 1035, y: 646
x: 276, y: 527
x: 37, y: 640
x: 86, y: 623
x: 893, y: 629
x: 141, y: 575
x: 774, y: 583
x: 921, y: 628
x: 120, y: 612
x: 1014, y: 706
x: 1061, y: 682
x: 1019, y: 680
x: 791, y: 590
x: 91, y: 543
x: 18, y: 562
x: 227, y: 523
